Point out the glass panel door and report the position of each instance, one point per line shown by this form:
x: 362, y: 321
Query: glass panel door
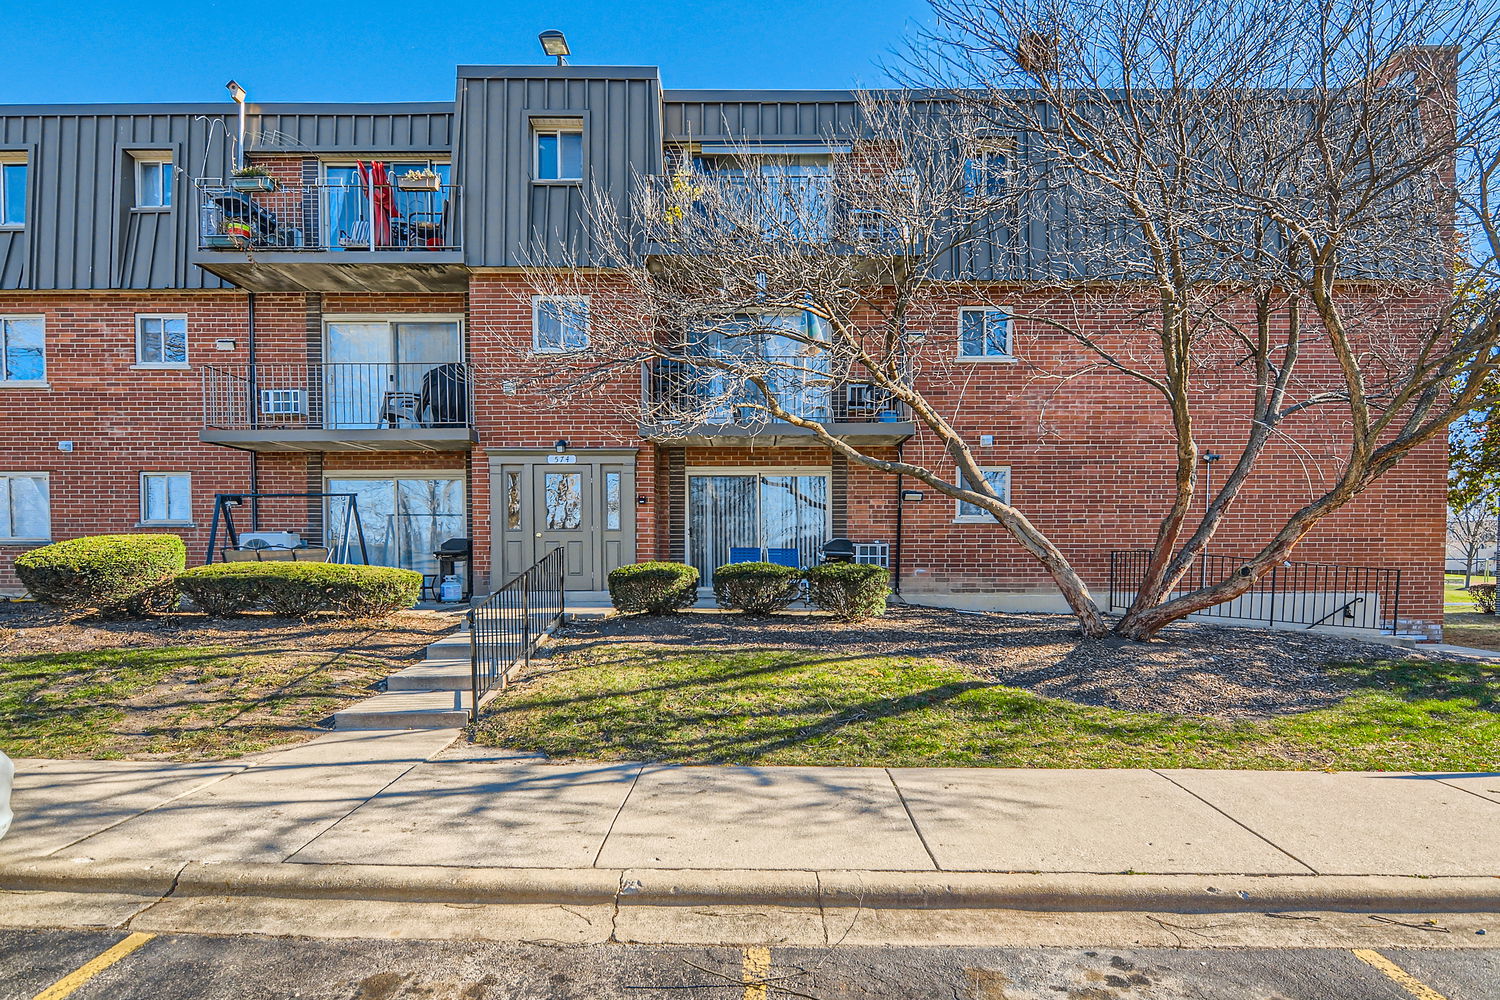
x: 758, y: 512
x: 357, y: 375
x: 376, y: 499
x: 405, y: 520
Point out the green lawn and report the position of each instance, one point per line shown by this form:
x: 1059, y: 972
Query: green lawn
x: 181, y: 701
x: 610, y: 702
x: 1454, y: 592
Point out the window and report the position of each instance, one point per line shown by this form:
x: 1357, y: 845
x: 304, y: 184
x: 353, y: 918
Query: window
x: 987, y: 169
x: 161, y: 341
x: 559, y: 324
x: 612, y: 501
x: 983, y: 333
x: 25, y: 511
x: 153, y: 183
x: 564, y: 500
x: 22, y: 344
x: 166, y: 498
x: 559, y: 149
x: 12, y: 193
x: 999, y: 480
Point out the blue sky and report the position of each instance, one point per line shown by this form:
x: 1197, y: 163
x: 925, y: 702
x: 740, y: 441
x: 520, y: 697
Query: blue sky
x: 69, y: 51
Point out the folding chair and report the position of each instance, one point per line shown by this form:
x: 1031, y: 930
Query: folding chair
x: 740, y: 554
x: 784, y: 557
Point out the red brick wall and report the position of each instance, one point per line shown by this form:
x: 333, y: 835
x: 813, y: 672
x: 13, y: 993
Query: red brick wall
x: 1089, y: 454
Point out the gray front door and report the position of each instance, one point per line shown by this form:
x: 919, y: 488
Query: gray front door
x: 581, y: 502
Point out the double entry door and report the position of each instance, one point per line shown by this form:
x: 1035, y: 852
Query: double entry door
x: 582, y: 502
x: 760, y: 511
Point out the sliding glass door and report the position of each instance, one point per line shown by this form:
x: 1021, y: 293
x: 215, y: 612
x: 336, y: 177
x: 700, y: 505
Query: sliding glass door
x: 376, y: 371
x: 759, y: 511
x: 405, y: 520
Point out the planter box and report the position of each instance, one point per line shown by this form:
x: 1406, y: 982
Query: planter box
x: 254, y: 183
x: 419, y: 183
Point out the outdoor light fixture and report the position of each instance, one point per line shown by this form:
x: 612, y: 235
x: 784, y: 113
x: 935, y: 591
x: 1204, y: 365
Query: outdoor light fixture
x: 913, y: 496
x: 561, y: 445
x: 237, y: 94
x: 554, y: 44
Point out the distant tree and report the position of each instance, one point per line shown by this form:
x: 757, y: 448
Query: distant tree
x: 1470, y: 530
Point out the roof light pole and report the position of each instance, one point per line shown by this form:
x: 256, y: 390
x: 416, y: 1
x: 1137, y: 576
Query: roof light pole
x: 238, y: 94
x: 554, y: 44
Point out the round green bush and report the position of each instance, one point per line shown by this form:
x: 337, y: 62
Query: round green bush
x: 1483, y: 597
x: 132, y: 574
x: 298, y: 589
x: 756, y: 588
x: 656, y: 588
x: 849, y: 590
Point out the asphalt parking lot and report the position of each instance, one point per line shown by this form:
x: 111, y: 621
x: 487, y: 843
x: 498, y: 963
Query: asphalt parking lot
x: 90, y: 965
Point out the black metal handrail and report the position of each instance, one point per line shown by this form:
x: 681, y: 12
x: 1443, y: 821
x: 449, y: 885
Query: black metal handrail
x: 677, y: 390
x: 506, y: 626
x: 1292, y: 593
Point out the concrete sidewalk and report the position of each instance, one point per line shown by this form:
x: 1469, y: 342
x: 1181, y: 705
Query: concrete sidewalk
x: 416, y: 798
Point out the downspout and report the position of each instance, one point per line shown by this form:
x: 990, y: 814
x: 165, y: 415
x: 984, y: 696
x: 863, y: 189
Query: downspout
x: 254, y: 407
x: 896, y: 555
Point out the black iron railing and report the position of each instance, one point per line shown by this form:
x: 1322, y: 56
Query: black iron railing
x: 506, y: 626
x: 678, y: 391
x: 1293, y: 593
x: 259, y: 214
x: 337, y: 396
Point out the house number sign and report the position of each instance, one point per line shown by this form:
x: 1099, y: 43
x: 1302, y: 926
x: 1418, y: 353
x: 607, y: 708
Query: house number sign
x: 562, y: 459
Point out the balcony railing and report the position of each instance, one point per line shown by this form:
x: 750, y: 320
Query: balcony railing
x: 354, y: 396
x: 804, y: 207
x: 682, y: 393
x: 327, y: 217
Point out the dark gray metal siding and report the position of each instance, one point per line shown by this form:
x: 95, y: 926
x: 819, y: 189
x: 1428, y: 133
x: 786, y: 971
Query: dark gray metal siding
x: 81, y: 231
x: 764, y: 116
x: 510, y: 220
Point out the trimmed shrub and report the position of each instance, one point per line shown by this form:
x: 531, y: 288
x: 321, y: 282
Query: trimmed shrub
x: 849, y: 590
x: 300, y: 589
x: 656, y: 588
x: 1483, y: 596
x: 756, y: 588
x: 132, y: 574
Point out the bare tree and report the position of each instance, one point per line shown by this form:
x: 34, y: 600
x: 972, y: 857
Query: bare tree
x: 1470, y: 529
x: 1275, y: 192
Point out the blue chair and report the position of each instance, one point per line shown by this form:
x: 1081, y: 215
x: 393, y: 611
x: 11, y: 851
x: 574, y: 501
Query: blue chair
x: 739, y: 554
x: 784, y: 557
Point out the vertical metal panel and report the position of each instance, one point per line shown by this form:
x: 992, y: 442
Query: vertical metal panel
x: 509, y: 220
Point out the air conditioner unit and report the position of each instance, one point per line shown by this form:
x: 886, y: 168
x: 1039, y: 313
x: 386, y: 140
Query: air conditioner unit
x: 283, y: 402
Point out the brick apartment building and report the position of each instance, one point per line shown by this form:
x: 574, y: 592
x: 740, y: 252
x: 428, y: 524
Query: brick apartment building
x: 168, y: 339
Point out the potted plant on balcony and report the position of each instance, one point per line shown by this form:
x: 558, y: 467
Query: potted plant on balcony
x: 252, y: 178
x: 419, y: 180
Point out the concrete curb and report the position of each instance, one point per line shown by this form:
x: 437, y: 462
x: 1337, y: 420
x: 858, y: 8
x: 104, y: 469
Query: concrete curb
x: 875, y: 890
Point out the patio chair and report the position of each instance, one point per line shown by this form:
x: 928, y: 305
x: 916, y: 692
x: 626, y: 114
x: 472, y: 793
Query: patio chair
x: 784, y: 557
x: 744, y: 553
x: 357, y: 237
x: 399, y: 406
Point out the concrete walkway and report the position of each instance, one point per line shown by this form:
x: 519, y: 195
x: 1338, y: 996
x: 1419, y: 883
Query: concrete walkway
x: 418, y: 798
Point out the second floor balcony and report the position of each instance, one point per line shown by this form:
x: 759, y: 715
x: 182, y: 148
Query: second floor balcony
x: 705, y: 404
x: 264, y: 235
x: 408, y: 406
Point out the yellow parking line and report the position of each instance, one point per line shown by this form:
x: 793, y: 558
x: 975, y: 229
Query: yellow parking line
x: 88, y: 970
x: 754, y: 968
x: 1398, y: 975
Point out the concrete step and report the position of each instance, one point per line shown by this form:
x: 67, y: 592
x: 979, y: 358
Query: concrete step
x: 433, y: 675
x: 450, y: 647
x: 407, y: 710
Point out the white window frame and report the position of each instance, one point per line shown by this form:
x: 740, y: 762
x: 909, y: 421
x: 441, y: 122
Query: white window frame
x: 983, y: 517
x: 13, y: 159
x: 558, y: 127
x: 23, y: 383
x: 47, y: 479
x: 146, y: 518
x: 983, y: 150
x: 581, y: 301
x: 164, y: 160
x: 141, y: 363
x: 1008, y: 355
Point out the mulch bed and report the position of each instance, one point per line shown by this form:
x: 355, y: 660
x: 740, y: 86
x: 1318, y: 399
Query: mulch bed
x: 1189, y: 669
x: 27, y: 628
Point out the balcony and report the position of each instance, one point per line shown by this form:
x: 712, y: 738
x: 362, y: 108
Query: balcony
x: 701, y: 405
x: 422, y: 406
x: 331, y: 237
x: 678, y: 210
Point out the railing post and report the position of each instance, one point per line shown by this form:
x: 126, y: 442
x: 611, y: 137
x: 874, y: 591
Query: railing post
x: 526, y: 619
x: 473, y: 663
x: 1271, y: 609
